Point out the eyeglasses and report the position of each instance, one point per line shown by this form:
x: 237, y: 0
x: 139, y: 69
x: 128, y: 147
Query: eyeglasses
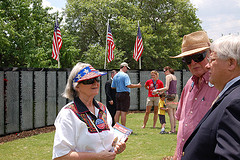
x: 90, y: 81
x: 199, y: 57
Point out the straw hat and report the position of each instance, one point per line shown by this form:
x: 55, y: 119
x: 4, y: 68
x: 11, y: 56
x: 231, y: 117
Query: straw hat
x: 193, y: 43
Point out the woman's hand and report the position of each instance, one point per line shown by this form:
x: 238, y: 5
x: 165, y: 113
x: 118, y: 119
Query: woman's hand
x: 120, y: 147
x: 155, y: 91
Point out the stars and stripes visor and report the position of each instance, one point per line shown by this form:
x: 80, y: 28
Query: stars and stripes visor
x: 87, y: 73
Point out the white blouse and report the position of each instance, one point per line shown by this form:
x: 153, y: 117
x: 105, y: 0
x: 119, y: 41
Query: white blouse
x: 72, y: 134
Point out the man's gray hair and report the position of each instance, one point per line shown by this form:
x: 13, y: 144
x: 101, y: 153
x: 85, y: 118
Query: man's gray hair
x: 227, y: 47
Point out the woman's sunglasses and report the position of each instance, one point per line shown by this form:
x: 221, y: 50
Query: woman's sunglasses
x: 199, y: 57
x: 90, y: 81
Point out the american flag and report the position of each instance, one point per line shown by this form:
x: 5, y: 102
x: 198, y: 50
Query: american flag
x: 111, y: 45
x: 57, y: 42
x: 138, y: 48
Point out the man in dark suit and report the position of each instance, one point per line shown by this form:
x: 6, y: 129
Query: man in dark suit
x: 217, y: 136
x: 111, y: 96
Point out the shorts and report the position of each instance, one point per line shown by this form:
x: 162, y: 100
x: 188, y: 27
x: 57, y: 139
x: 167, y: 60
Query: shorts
x: 122, y: 101
x: 172, y: 104
x: 152, y: 101
x: 162, y: 118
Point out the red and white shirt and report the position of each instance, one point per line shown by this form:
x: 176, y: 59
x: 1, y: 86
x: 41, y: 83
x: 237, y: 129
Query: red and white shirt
x: 153, y: 85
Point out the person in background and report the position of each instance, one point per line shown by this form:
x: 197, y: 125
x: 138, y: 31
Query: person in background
x: 198, y: 93
x: 152, y: 99
x: 172, y: 97
x: 111, y: 96
x: 217, y: 134
x: 84, y: 126
x: 122, y: 83
x: 161, y: 112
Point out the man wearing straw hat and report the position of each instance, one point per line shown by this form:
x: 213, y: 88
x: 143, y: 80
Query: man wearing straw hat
x: 198, y: 93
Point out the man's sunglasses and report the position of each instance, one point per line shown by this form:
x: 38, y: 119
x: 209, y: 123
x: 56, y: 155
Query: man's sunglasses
x: 90, y: 81
x: 199, y: 57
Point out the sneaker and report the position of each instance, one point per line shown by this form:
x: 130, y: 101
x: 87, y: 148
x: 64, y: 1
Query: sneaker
x: 163, y: 132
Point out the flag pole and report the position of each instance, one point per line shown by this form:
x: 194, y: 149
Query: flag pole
x: 59, y: 50
x: 141, y: 56
x: 140, y: 63
x: 106, y: 47
x: 58, y: 61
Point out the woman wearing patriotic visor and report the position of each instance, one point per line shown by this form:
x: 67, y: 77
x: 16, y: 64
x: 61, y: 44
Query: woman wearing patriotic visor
x: 83, y: 127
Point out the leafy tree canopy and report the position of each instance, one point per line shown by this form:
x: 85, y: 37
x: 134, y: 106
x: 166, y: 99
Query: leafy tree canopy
x: 162, y: 23
x: 27, y: 31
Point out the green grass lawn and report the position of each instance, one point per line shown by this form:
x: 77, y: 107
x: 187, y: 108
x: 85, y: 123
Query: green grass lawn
x: 141, y: 145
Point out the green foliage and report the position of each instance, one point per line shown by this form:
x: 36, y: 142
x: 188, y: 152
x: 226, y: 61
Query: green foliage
x: 26, y: 27
x: 26, y: 31
x: 96, y: 56
x: 163, y: 24
x: 69, y: 55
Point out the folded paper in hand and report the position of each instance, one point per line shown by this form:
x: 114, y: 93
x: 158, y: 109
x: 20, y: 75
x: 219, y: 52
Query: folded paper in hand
x: 121, y: 133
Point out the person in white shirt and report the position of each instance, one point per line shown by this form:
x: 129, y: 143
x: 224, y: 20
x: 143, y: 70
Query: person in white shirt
x: 83, y: 127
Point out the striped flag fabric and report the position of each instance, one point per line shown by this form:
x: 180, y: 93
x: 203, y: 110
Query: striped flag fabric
x: 138, y: 48
x: 57, y: 42
x: 111, y: 45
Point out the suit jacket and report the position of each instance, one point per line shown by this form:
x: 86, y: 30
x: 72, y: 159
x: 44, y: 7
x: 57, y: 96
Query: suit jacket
x: 217, y: 136
x: 110, y: 95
